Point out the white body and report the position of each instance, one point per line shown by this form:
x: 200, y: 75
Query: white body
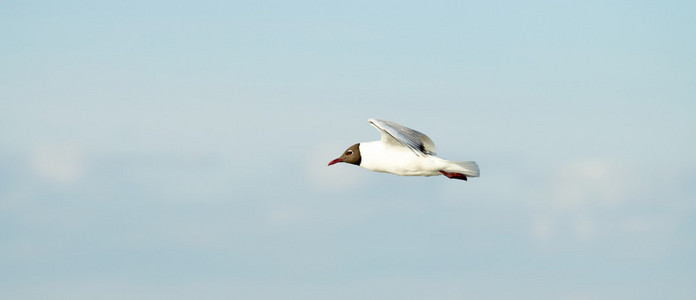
x: 391, y: 158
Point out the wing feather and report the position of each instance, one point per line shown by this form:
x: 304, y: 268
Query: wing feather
x: 393, y: 133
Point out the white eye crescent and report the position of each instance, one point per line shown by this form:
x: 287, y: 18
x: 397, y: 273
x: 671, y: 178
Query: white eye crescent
x: 349, y: 152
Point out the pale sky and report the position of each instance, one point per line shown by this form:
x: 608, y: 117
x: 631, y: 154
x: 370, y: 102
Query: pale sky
x: 178, y: 150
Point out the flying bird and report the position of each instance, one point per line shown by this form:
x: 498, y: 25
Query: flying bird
x: 404, y: 151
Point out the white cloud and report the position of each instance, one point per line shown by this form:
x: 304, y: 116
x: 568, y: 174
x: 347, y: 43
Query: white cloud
x: 584, y: 228
x: 543, y: 229
x: 593, y: 182
x: 580, y: 196
x: 59, y: 163
x: 284, y: 216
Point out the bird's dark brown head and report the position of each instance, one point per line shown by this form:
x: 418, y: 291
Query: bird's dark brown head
x: 351, y: 156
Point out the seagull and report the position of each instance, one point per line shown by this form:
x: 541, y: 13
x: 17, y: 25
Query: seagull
x: 404, y: 151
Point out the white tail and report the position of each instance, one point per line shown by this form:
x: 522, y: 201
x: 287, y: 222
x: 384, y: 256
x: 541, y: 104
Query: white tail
x: 468, y: 168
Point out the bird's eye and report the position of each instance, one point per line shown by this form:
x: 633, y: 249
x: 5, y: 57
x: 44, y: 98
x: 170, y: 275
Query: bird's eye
x: 349, y: 152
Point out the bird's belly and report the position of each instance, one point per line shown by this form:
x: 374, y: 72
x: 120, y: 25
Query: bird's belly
x: 406, y: 164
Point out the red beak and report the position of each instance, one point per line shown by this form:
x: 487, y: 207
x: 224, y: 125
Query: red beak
x: 338, y: 160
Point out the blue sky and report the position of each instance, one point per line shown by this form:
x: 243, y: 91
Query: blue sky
x: 178, y: 150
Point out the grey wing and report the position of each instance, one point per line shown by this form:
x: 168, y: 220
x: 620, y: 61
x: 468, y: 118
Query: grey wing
x: 394, y: 133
